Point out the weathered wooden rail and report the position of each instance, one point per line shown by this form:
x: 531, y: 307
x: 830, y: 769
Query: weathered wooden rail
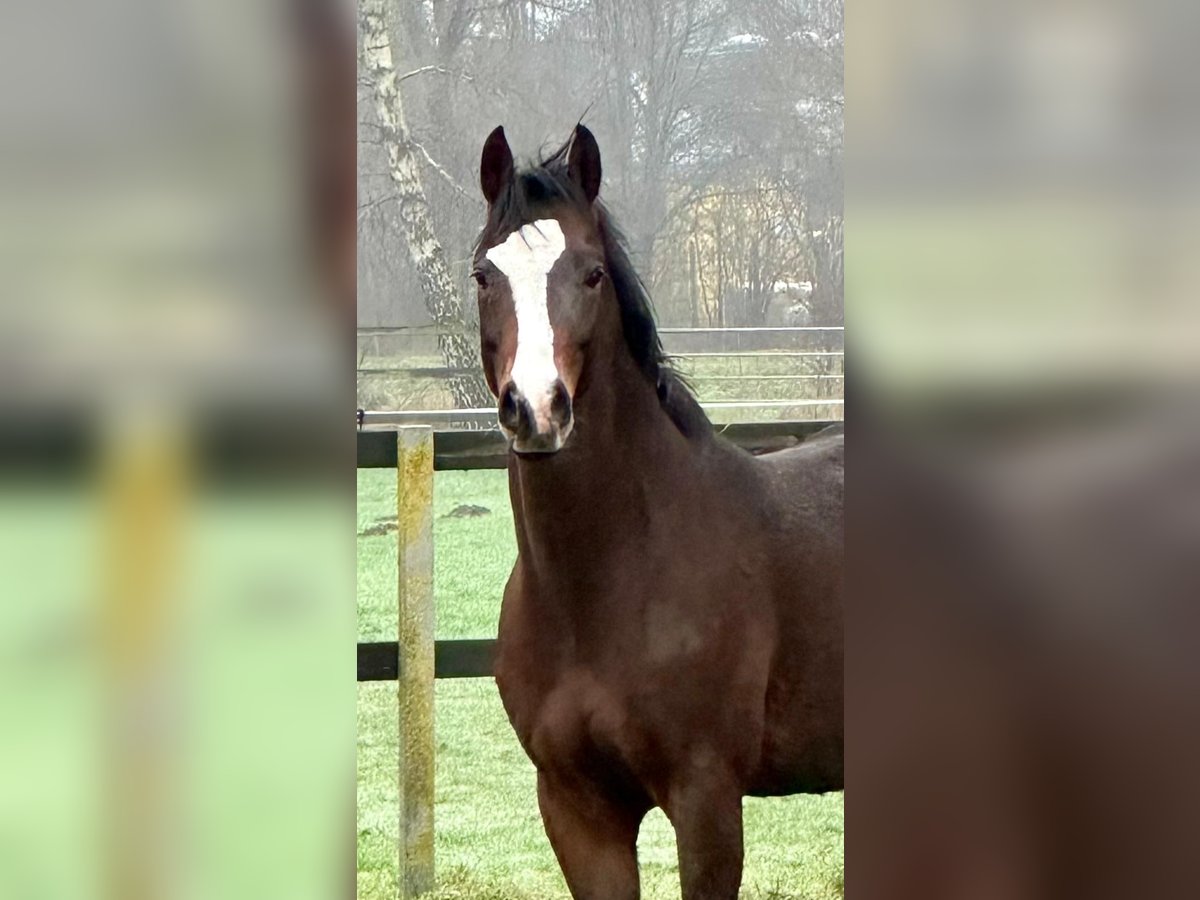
x: 415, y: 660
x: 452, y: 450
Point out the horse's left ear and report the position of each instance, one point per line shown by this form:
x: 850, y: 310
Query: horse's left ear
x: 583, y: 162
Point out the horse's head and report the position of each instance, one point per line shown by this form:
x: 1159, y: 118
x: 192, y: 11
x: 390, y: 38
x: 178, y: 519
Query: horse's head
x: 545, y: 298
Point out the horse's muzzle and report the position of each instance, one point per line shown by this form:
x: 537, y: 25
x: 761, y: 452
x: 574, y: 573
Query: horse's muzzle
x: 539, y: 426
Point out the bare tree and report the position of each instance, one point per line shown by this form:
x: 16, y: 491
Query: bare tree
x: 442, y: 300
x: 802, y: 78
x: 721, y: 124
x: 656, y: 53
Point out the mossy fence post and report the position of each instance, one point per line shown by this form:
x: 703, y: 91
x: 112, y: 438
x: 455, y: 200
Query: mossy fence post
x: 414, y: 493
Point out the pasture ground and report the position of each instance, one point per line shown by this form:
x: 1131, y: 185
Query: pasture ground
x: 489, y: 839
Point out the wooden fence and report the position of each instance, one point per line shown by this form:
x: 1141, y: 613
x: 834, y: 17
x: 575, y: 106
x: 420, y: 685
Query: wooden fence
x: 415, y: 660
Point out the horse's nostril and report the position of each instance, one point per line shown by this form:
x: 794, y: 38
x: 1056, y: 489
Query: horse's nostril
x: 510, y: 412
x: 515, y: 413
x: 560, y: 405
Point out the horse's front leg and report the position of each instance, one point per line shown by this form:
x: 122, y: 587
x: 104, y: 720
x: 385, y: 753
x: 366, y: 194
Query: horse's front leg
x: 707, y: 815
x: 594, y: 838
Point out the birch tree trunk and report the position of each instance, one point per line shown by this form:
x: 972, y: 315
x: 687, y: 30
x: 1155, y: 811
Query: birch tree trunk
x: 441, y: 299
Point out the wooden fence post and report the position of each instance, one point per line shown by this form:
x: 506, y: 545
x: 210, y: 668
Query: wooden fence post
x: 146, y: 482
x: 414, y: 470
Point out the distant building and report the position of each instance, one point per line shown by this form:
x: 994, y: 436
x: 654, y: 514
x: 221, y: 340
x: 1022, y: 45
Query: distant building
x: 789, y: 304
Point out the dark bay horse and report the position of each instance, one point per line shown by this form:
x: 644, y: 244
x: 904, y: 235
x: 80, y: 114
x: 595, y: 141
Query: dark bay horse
x: 671, y: 633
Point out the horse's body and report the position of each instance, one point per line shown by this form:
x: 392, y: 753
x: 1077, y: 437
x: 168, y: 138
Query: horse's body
x: 671, y: 634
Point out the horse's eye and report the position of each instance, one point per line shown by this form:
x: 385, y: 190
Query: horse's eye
x: 480, y: 278
x: 596, y: 276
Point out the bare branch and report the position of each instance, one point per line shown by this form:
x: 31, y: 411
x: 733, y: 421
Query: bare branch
x: 441, y: 70
x: 433, y: 164
x: 365, y: 208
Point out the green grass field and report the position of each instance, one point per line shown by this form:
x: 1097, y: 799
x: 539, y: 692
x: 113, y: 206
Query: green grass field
x: 489, y: 839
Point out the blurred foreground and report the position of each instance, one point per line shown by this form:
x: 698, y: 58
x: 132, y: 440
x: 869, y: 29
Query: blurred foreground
x: 176, y: 512
x: 1024, y: 688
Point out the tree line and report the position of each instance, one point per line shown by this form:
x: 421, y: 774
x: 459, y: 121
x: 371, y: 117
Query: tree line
x: 720, y: 124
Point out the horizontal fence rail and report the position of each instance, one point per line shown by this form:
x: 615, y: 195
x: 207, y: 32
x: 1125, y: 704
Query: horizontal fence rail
x: 468, y: 450
x: 380, y: 660
x: 486, y: 417
x: 757, y: 354
x: 447, y: 371
x: 401, y: 359
x: 765, y: 355
x: 748, y: 329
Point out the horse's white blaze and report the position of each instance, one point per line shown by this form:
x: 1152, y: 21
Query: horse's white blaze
x: 526, y: 258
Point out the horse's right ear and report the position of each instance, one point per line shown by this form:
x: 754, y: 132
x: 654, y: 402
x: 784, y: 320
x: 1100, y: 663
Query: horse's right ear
x: 495, y: 165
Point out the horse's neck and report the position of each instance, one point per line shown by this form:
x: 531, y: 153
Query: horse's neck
x: 620, y: 469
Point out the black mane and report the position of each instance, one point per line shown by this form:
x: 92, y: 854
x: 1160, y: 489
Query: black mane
x: 546, y: 182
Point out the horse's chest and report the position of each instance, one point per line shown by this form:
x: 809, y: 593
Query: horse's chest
x: 572, y: 721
